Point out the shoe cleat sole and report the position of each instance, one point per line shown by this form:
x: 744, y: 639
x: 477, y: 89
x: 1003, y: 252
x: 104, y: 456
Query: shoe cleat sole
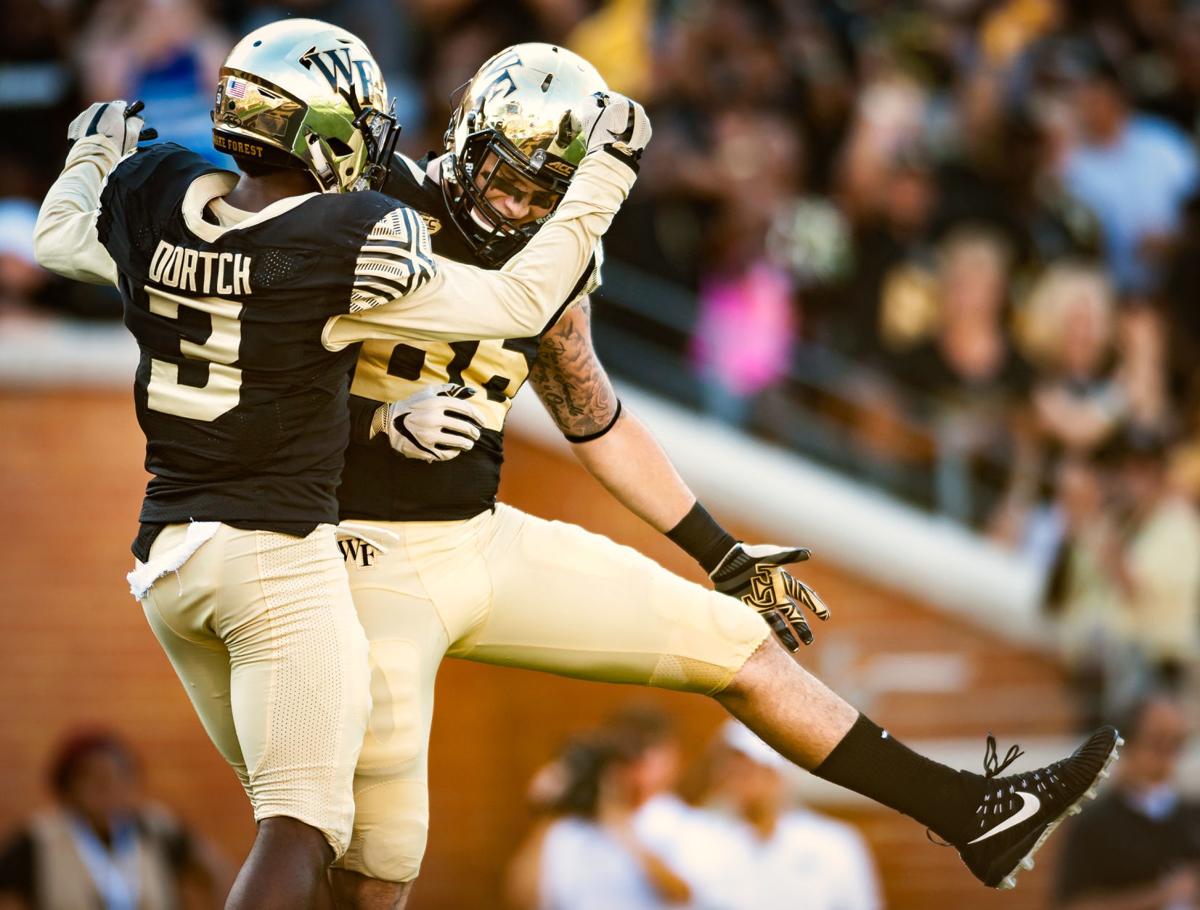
x: 1026, y: 862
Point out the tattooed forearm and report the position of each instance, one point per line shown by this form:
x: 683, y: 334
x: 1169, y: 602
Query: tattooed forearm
x: 569, y: 379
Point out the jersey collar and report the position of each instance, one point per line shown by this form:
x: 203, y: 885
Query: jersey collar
x: 206, y: 188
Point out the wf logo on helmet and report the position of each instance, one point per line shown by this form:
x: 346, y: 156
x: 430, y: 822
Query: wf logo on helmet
x: 502, y: 83
x: 340, y: 70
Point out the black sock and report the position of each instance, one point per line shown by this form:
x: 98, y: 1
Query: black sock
x: 870, y: 761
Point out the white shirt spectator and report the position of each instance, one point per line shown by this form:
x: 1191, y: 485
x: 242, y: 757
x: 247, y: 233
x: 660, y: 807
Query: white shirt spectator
x: 810, y: 862
x: 698, y: 845
x: 583, y: 867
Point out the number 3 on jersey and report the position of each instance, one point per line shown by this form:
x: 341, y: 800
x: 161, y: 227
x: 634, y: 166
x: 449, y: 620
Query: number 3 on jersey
x: 222, y: 389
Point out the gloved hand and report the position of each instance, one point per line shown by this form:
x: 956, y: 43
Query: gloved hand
x: 753, y: 575
x: 435, y: 424
x: 120, y: 122
x: 618, y: 122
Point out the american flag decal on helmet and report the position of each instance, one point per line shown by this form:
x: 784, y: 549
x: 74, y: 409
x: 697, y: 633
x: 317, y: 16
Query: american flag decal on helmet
x: 236, y: 89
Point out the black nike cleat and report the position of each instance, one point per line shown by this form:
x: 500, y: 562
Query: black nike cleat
x: 1019, y: 812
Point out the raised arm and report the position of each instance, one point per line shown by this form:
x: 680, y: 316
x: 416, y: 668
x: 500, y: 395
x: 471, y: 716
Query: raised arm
x: 65, y: 240
x: 619, y: 451
x: 459, y: 302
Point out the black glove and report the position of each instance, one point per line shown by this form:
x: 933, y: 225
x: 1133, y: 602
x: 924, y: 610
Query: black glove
x: 753, y: 575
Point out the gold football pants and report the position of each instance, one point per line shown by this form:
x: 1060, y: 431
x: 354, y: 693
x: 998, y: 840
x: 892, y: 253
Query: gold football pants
x: 511, y: 589
x: 261, y: 630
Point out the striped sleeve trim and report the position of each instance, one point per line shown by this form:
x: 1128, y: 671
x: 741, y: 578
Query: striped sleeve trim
x: 395, y: 260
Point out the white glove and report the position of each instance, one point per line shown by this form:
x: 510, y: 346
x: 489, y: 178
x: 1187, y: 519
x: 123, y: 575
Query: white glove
x: 436, y: 424
x: 119, y: 122
x: 619, y: 122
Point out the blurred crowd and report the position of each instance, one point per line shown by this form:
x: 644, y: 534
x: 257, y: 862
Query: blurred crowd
x: 613, y: 831
x: 1138, y: 845
x: 619, y: 819
x: 100, y: 845
x: 949, y: 245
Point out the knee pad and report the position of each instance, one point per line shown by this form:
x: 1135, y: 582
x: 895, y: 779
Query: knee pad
x: 391, y: 827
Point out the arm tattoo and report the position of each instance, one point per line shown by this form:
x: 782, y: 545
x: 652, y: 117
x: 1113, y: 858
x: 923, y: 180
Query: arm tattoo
x: 570, y: 379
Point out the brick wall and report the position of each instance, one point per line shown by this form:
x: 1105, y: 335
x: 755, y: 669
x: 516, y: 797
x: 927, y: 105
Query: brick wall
x: 74, y: 649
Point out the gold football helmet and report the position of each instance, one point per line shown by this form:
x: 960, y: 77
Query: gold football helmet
x: 519, y: 122
x: 306, y: 94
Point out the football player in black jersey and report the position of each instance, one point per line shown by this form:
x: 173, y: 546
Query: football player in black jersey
x: 246, y: 294
x: 468, y: 577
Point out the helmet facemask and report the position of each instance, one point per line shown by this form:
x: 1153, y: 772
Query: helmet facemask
x: 516, y: 131
x: 489, y: 163
x: 379, y: 131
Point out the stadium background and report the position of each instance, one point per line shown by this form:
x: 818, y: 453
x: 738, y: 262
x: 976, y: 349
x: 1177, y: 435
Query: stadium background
x: 885, y: 289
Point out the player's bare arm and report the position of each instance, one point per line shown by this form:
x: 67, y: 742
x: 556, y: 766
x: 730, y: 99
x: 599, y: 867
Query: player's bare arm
x: 611, y: 442
x: 620, y: 452
x: 570, y: 379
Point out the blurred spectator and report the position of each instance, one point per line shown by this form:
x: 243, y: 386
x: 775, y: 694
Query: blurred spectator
x: 654, y: 773
x: 1069, y: 321
x: 28, y: 293
x: 1134, y: 171
x: 892, y: 248
x: 103, y: 847
x: 1067, y: 326
x: 744, y: 333
x: 1130, y: 595
x: 21, y: 278
x: 690, y: 840
x: 616, y: 37
x: 163, y: 52
x: 970, y: 377
x: 590, y: 856
x: 37, y: 94
x: 746, y: 326
x: 1138, y: 846
x: 777, y: 855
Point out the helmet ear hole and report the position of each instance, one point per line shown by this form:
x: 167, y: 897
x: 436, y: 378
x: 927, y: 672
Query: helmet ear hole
x: 338, y: 147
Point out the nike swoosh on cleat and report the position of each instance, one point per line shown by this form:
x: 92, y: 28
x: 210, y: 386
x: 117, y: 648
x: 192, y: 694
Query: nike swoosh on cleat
x: 1030, y: 809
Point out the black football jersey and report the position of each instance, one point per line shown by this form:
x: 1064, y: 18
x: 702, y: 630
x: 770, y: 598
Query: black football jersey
x: 381, y: 484
x: 244, y: 410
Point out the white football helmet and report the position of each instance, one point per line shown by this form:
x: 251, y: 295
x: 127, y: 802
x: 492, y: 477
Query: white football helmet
x: 304, y: 93
x: 521, y: 114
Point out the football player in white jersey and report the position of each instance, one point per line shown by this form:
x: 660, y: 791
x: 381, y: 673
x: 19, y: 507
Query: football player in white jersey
x: 443, y: 569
